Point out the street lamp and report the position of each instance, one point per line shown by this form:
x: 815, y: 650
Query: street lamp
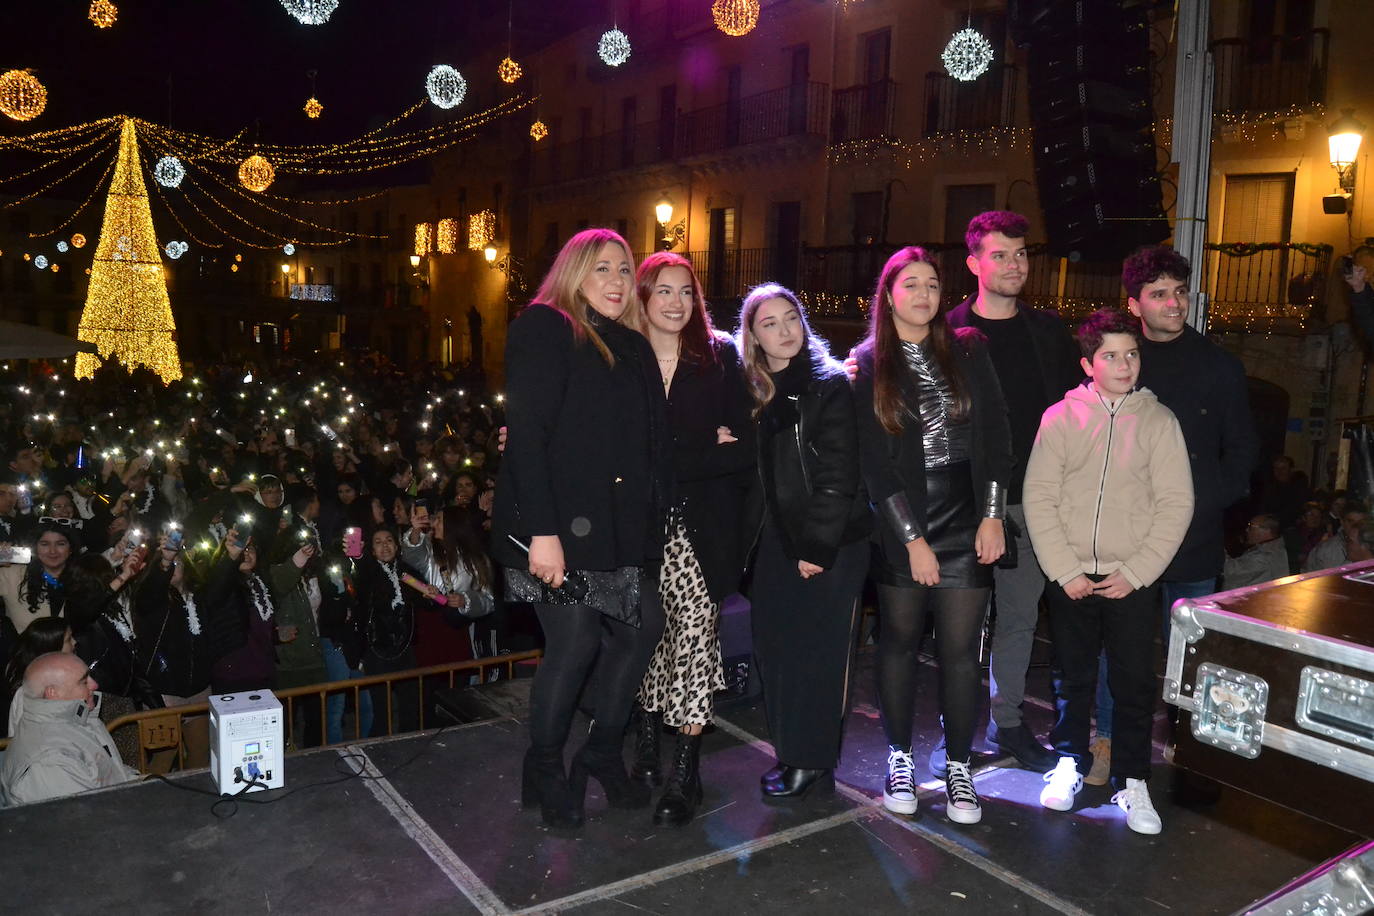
x: 415, y: 261
x: 489, y: 253
x: 1343, y: 139
x: 663, y: 212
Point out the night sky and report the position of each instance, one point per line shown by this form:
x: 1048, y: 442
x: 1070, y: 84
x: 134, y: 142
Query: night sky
x: 242, y: 63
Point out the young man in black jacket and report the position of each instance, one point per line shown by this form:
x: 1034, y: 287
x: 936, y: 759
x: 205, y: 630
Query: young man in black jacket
x: 1036, y: 362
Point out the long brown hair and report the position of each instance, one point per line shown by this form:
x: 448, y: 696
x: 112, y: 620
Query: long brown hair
x: 889, y: 406
x: 461, y: 545
x: 755, y: 361
x: 561, y: 287
x: 697, y: 336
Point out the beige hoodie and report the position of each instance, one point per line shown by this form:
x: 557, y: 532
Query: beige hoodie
x: 1108, y: 489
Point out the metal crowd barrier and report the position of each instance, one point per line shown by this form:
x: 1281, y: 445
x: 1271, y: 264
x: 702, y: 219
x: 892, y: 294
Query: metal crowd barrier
x: 161, y: 730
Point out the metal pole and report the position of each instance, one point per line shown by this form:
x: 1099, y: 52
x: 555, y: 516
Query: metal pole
x: 1192, y: 144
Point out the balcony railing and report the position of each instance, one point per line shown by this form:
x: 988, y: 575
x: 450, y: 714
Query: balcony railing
x: 729, y: 274
x: 864, y: 112
x: 1266, y: 287
x: 790, y: 111
x: 954, y: 105
x: 1277, y: 73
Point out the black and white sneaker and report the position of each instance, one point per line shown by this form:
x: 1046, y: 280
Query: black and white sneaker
x: 963, y: 806
x: 899, y: 793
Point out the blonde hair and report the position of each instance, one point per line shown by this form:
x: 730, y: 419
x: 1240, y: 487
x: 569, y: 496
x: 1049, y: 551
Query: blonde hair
x: 561, y: 287
x: 754, y: 360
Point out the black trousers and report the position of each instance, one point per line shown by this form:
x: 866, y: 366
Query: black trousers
x: 1125, y: 628
x: 582, y: 646
x: 803, y: 644
x: 405, y: 695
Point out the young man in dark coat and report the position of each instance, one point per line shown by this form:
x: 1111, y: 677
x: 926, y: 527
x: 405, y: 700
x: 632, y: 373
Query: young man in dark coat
x: 1036, y: 362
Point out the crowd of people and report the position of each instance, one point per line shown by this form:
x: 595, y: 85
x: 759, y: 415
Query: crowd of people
x: 238, y: 529
x: 242, y: 528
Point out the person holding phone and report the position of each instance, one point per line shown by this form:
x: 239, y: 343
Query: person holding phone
x: 243, y: 599
x: 584, y: 485
x: 296, y: 594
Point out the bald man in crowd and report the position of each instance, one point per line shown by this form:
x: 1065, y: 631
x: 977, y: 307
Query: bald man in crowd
x: 60, y: 746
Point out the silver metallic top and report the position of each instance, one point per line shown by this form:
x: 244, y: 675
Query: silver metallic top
x: 944, y: 442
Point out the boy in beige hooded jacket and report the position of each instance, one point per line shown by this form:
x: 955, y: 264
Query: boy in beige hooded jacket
x: 1108, y: 497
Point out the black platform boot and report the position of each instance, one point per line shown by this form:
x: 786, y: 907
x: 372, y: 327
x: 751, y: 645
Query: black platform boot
x: 543, y: 783
x: 647, y: 767
x: 603, y: 758
x: 678, y: 804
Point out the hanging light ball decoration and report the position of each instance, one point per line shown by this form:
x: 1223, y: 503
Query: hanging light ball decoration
x: 103, y: 13
x: 508, y: 70
x: 311, y: 12
x: 313, y: 108
x: 613, y: 48
x: 288, y: 249
x: 22, y: 96
x: 78, y: 241
x: 41, y: 262
x: 446, y: 86
x: 538, y: 131
x: 169, y: 172
x: 735, y: 17
x: 175, y: 249
x: 967, y: 55
x: 256, y: 173
x: 62, y: 247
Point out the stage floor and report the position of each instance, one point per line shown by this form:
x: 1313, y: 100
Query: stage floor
x: 436, y: 826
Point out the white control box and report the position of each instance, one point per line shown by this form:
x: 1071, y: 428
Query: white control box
x: 246, y: 741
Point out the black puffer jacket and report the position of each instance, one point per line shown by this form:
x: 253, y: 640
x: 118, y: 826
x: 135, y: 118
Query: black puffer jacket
x: 809, y: 476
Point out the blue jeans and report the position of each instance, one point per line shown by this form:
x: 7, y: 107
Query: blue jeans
x: 336, y: 669
x: 1171, y: 592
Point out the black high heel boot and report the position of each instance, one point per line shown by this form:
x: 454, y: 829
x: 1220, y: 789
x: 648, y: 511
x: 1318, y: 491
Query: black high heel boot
x: 647, y: 767
x: 602, y: 758
x: 678, y: 804
x: 543, y: 783
x: 796, y: 782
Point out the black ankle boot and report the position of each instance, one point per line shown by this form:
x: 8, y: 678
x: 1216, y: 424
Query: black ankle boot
x: 543, y: 783
x: 678, y: 804
x: 647, y: 766
x: 602, y: 758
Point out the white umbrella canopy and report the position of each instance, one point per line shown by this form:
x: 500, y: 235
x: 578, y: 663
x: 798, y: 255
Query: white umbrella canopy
x: 24, y: 341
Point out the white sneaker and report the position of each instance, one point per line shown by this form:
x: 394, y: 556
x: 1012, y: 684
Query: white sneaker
x: 899, y: 793
x: 1064, y: 782
x: 1141, y: 815
x: 963, y: 806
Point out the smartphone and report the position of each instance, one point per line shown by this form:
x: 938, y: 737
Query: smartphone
x: 289, y: 434
x: 16, y: 555
x: 353, y: 543
x: 174, y: 538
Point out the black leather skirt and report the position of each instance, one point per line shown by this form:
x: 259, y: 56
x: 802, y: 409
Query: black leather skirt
x: 952, y: 520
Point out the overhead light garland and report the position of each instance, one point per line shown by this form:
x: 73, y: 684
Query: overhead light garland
x: 78, y: 241
x: 62, y: 247
x: 127, y: 313
x: 22, y: 96
x: 508, y: 70
x: 288, y: 249
x: 175, y: 249
x: 256, y: 173
x: 41, y: 262
x: 538, y: 131
x: 735, y: 17
x: 311, y: 12
x: 313, y: 108
x: 103, y: 13
x: 445, y: 86
x: 613, y: 48
x: 967, y: 56
x: 169, y: 172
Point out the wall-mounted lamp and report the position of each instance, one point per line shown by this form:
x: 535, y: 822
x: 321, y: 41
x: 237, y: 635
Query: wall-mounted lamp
x: 502, y: 263
x: 672, y: 235
x: 489, y: 253
x: 286, y: 269
x: 1343, y: 139
x: 415, y: 261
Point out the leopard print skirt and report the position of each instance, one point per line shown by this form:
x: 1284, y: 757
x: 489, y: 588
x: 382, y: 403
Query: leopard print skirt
x: 686, y: 669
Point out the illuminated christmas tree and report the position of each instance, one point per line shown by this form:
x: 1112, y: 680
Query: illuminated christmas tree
x: 127, y: 311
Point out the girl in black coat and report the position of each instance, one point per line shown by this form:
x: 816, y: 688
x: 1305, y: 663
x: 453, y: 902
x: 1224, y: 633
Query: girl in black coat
x: 583, y: 486
x: 811, y: 522
x: 936, y: 459
x: 713, y: 449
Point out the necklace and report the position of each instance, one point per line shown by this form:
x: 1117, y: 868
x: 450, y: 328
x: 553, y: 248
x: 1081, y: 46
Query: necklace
x: 668, y: 367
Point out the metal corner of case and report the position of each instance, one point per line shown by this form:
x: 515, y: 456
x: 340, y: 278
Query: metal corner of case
x: 1183, y: 615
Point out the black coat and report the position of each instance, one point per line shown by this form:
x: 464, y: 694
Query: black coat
x: 588, y: 456
x: 711, y: 480
x: 808, y: 454
x: 896, y: 464
x: 1054, y: 347
x: 173, y: 659
x: 1205, y: 388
